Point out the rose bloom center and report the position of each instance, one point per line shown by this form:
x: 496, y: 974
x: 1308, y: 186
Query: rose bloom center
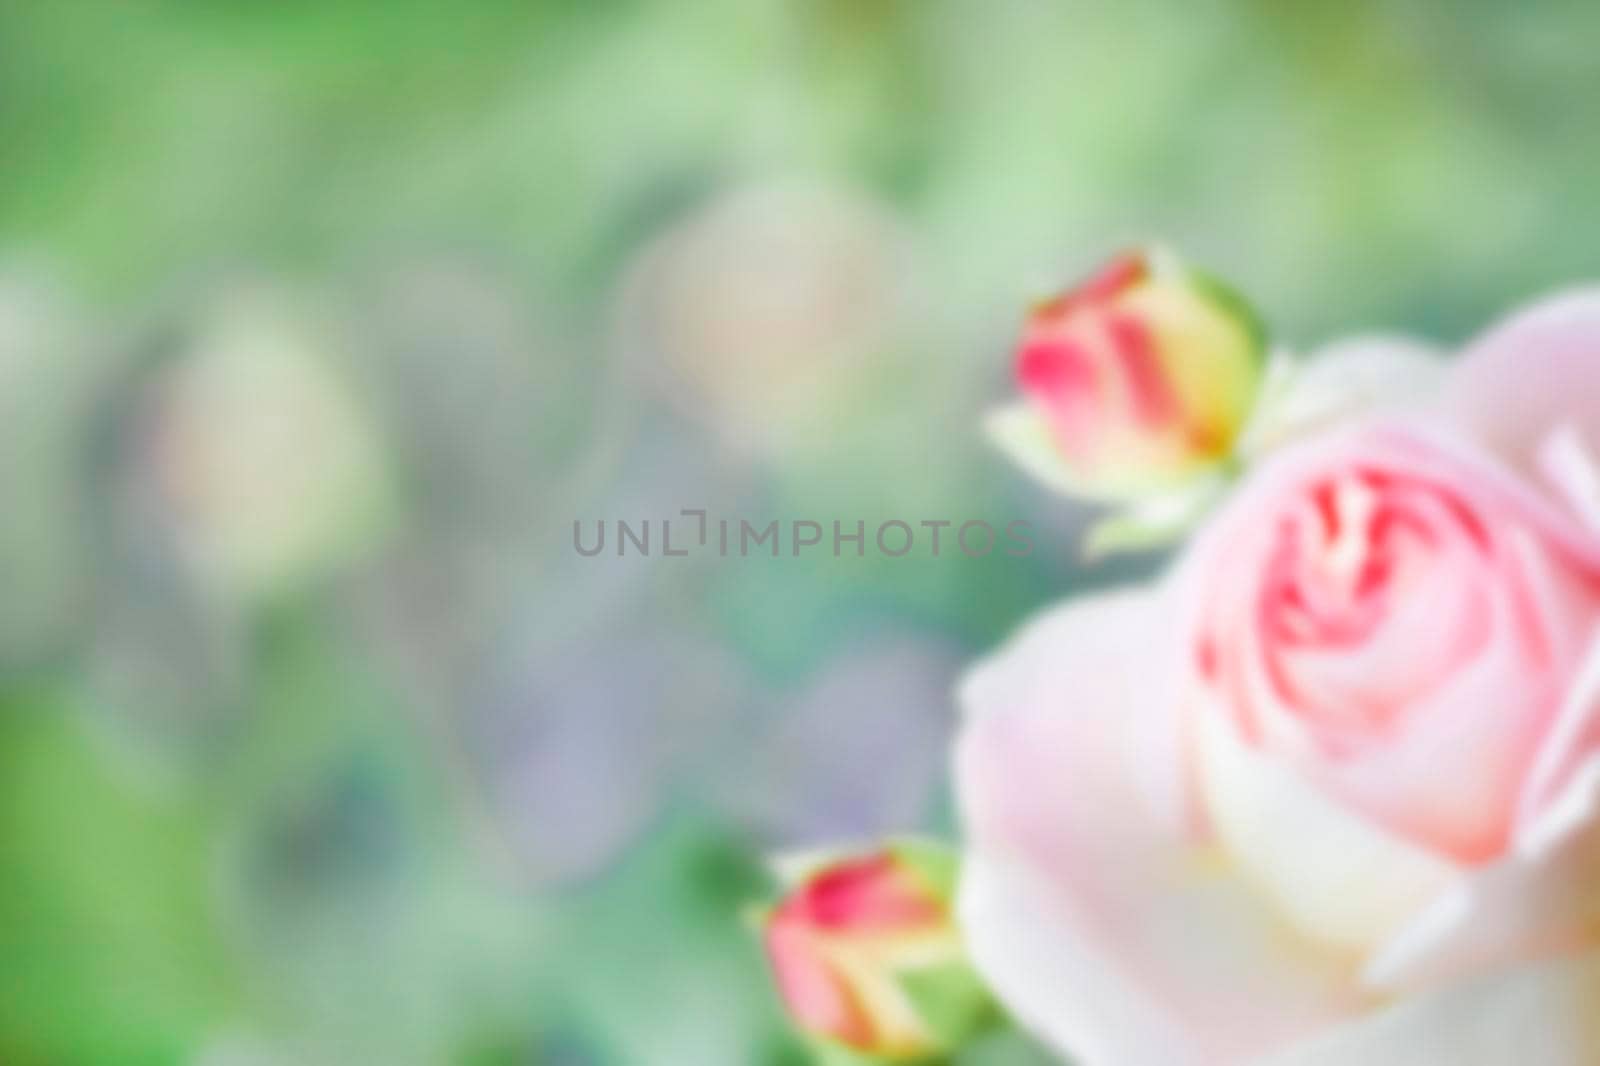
x: 1402, y: 635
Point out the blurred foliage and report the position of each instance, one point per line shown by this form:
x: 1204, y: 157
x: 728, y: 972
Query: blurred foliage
x: 429, y: 788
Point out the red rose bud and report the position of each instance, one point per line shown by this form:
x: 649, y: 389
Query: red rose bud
x: 867, y: 955
x: 1138, y: 381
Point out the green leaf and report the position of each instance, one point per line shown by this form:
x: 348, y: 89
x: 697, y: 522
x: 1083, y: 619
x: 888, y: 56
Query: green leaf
x: 108, y: 950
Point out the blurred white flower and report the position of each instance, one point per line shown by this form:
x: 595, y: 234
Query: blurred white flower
x: 269, y: 467
x: 771, y: 310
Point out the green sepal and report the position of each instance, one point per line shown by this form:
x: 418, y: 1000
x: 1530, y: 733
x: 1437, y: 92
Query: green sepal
x: 952, y: 1002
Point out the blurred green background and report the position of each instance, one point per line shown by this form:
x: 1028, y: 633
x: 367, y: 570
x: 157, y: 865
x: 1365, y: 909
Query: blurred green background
x: 320, y: 324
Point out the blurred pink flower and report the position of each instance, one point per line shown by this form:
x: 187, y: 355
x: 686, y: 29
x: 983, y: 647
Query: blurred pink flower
x: 1330, y: 791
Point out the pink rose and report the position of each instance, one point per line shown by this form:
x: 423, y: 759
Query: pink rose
x: 1329, y: 792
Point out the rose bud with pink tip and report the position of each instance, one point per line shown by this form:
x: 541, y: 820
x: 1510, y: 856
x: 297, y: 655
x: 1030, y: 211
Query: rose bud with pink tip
x: 867, y: 956
x: 1136, y: 383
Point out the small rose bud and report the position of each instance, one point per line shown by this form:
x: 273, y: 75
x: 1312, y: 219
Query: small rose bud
x: 1136, y: 382
x: 867, y: 955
